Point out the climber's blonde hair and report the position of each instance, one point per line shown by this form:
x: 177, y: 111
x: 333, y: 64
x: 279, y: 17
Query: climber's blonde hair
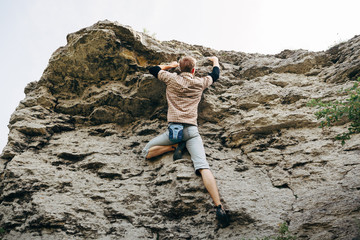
x: 187, y: 64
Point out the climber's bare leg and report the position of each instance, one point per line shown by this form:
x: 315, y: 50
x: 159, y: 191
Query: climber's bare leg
x: 158, y: 150
x: 210, y: 185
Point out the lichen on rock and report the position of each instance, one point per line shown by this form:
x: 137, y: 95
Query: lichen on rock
x: 72, y: 167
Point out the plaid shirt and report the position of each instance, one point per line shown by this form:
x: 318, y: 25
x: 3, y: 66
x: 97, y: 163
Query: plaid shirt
x: 183, y: 94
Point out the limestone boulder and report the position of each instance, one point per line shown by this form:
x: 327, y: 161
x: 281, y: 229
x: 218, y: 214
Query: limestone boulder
x: 72, y: 168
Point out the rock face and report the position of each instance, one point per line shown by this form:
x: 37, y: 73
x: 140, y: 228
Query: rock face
x: 72, y: 170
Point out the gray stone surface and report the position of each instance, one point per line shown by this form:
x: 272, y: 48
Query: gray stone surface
x: 72, y: 170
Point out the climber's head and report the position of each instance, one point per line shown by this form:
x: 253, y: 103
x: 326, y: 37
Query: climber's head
x: 187, y: 64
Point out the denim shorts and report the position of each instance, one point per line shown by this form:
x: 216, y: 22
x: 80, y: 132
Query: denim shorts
x: 194, y: 145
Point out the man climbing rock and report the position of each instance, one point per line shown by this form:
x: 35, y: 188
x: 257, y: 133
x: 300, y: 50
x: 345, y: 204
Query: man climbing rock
x: 183, y: 93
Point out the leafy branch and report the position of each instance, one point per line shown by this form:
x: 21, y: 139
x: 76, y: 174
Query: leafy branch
x: 335, y: 111
x: 147, y: 32
x: 283, y: 234
x: 2, y: 232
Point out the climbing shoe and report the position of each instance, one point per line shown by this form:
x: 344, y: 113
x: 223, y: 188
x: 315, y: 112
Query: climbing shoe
x: 222, y: 217
x: 179, y: 151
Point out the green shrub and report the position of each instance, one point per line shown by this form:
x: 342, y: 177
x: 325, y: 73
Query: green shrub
x: 283, y: 234
x: 147, y: 32
x: 2, y: 232
x: 332, y: 112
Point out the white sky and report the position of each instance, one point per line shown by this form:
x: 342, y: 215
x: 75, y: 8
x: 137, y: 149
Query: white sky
x: 31, y: 30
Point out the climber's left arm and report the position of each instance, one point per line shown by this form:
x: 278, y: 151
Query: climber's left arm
x: 156, y: 69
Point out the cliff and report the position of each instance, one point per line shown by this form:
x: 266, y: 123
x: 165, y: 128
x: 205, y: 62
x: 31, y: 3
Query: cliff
x: 72, y: 170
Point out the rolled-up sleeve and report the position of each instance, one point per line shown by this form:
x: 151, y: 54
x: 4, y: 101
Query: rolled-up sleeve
x: 215, y: 74
x: 155, y: 71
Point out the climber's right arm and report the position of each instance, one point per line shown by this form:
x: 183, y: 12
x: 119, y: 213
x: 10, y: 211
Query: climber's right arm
x: 215, y: 74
